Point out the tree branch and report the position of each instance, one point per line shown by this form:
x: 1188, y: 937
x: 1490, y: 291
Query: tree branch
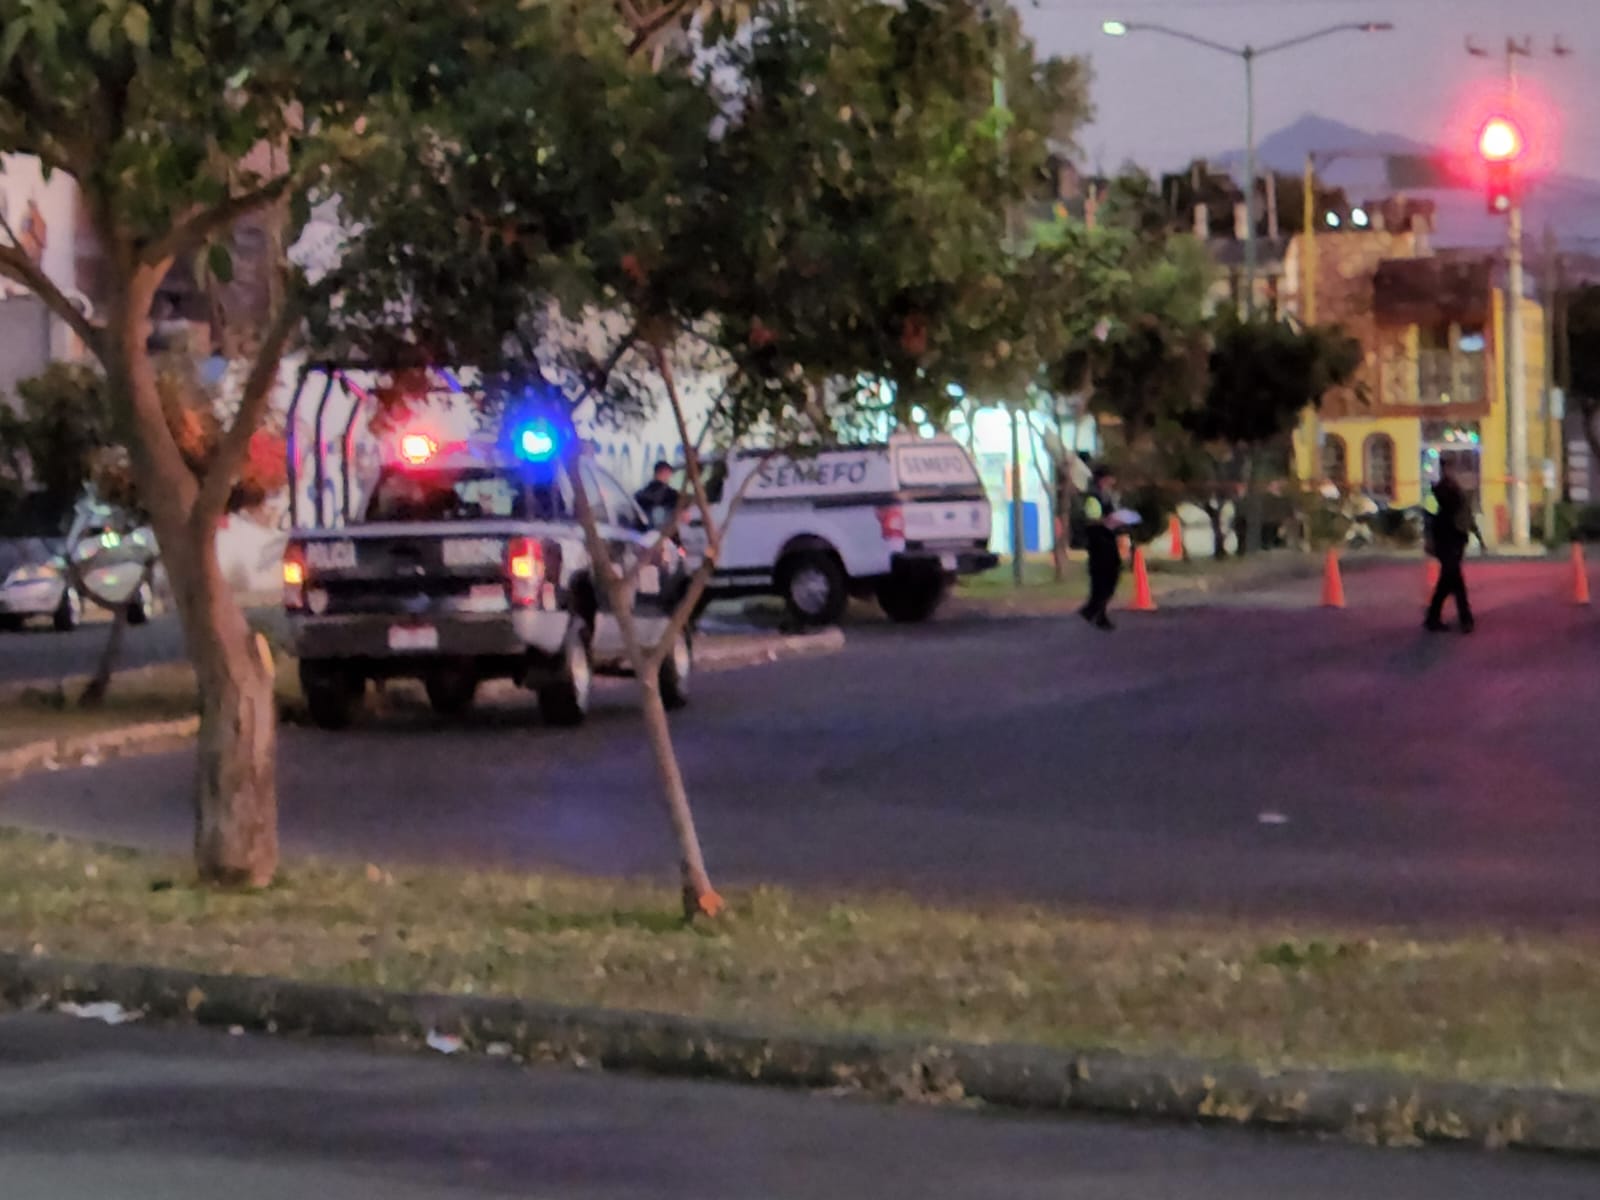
x: 253, y: 404
x: 645, y: 27
x: 185, y: 235
x: 15, y: 264
x: 601, y: 374
x: 691, y: 460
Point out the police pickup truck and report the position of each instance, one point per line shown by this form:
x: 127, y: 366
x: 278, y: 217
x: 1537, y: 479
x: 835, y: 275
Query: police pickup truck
x: 898, y: 522
x: 469, y: 564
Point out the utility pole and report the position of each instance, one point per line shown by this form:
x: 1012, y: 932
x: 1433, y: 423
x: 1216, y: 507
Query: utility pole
x: 1516, y: 350
x: 1552, y: 441
x: 1516, y: 388
x: 994, y: 14
x: 1249, y: 56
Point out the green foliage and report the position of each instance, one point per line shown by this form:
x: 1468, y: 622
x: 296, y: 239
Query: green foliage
x: 155, y: 108
x: 1264, y: 373
x: 874, y: 245
x: 817, y: 202
x: 48, y: 440
x: 1145, y: 363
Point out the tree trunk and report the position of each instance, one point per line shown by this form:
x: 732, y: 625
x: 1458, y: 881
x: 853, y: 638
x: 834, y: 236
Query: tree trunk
x: 236, y: 796
x: 1219, y: 536
x: 1255, y: 502
x: 94, y: 692
x: 699, y: 897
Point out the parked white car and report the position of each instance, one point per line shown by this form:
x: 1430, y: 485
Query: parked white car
x: 898, y: 522
x: 114, y: 566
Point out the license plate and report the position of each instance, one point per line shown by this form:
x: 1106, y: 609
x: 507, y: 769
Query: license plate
x: 948, y: 561
x: 473, y: 552
x: 331, y: 556
x: 413, y: 637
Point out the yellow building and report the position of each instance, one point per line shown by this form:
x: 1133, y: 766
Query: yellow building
x: 1433, y: 384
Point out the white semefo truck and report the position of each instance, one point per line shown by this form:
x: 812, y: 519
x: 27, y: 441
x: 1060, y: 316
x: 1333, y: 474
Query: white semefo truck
x: 898, y: 522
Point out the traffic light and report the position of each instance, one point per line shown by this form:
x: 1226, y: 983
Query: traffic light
x: 1501, y: 144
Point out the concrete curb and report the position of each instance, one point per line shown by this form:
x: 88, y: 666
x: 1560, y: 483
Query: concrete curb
x: 1370, y: 1107
x: 91, y: 749
x: 725, y: 652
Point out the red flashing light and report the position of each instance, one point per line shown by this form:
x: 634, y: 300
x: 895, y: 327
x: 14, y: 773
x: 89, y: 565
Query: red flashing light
x: 524, y: 571
x: 417, y: 448
x: 1501, y: 141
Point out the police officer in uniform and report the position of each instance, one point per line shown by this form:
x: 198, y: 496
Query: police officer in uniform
x: 658, y: 498
x: 1105, y: 558
x: 1451, y: 526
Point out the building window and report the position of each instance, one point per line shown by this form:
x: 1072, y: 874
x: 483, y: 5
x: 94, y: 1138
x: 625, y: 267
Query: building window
x: 1379, y: 466
x: 1450, y: 364
x: 1335, y: 460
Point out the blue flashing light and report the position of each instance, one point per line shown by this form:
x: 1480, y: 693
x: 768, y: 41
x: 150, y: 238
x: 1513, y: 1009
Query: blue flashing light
x: 535, y: 442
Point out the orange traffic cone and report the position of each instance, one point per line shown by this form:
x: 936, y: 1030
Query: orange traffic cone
x: 1143, y: 601
x: 1580, y: 575
x: 1332, y: 583
x: 1432, y: 581
x: 1175, y: 533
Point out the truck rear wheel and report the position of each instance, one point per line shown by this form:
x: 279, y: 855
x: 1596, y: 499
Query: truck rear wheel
x: 451, y: 690
x: 813, y: 587
x: 334, y: 693
x: 566, y: 701
x: 910, y: 600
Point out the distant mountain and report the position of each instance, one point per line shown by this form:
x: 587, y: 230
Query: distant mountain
x: 1568, y: 204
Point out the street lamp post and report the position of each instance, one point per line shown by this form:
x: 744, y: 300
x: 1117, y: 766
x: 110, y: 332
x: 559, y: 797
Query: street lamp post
x: 1248, y: 55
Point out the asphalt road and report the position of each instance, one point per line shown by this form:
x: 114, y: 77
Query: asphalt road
x: 39, y: 653
x: 156, y: 1114
x: 1259, y: 755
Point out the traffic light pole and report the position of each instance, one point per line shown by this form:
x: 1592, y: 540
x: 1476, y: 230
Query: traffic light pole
x: 1516, y: 375
x: 1516, y: 349
x: 1517, y: 384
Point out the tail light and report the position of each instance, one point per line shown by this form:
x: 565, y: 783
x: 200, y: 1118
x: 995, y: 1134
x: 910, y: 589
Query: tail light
x: 524, y: 571
x: 892, y: 520
x: 294, y: 577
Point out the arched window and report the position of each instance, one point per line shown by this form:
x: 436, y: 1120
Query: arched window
x: 1378, y: 469
x: 1335, y: 460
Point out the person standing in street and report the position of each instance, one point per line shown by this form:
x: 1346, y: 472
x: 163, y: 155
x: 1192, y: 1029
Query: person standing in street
x: 1105, y: 557
x: 658, y: 498
x: 1451, y: 526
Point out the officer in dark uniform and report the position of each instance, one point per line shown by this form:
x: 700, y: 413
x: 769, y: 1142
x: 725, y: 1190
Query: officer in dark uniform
x: 1105, y: 558
x: 658, y: 498
x: 1450, y: 529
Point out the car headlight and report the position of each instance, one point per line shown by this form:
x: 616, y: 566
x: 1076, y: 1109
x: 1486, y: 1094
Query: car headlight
x: 36, y: 573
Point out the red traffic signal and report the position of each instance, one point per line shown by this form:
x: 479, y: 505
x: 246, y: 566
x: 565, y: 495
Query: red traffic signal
x: 1501, y: 144
x: 1500, y: 141
x: 1502, y: 188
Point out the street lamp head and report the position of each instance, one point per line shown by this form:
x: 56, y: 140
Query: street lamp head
x: 1114, y: 28
x: 1378, y: 27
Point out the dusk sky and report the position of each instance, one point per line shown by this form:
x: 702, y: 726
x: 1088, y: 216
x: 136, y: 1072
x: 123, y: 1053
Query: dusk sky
x: 1161, y: 102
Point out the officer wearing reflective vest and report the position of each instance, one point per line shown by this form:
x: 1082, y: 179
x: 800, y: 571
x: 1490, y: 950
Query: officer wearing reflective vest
x: 1451, y: 526
x: 1105, y: 558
